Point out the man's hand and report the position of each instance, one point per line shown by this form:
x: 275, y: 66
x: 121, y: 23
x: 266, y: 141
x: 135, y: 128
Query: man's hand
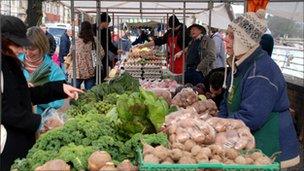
x: 178, y: 55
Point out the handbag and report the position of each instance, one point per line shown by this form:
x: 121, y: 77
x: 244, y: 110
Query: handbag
x: 68, y: 61
x: 94, y: 54
x: 3, y: 130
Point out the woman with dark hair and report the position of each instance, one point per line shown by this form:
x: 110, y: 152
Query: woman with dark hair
x: 85, y: 69
x: 17, y: 117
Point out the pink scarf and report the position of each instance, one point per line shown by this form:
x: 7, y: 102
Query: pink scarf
x: 32, y: 63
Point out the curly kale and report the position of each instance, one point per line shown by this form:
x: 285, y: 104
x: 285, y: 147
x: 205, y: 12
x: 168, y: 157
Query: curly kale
x: 76, y: 156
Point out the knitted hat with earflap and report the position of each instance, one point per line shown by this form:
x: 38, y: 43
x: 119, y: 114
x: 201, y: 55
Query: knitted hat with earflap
x: 247, y: 31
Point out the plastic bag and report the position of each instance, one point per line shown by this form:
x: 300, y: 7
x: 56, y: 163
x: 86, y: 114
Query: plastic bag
x: 164, y: 93
x: 51, y: 119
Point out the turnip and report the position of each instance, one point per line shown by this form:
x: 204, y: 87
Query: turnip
x: 98, y: 159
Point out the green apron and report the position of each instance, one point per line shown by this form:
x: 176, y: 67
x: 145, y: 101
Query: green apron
x: 267, y: 137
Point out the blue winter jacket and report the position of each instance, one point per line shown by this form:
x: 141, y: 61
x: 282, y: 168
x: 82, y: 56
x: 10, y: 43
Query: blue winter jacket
x: 55, y: 75
x: 264, y: 91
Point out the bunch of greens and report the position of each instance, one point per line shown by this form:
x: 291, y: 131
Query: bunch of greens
x: 120, y: 85
x: 140, y: 112
x: 41, y: 75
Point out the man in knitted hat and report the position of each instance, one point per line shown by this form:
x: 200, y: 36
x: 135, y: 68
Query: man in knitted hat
x: 105, y: 36
x: 174, y: 42
x: 257, y: 93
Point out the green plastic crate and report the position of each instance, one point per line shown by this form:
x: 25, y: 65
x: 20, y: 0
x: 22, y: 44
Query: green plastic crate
x: 193, y: 167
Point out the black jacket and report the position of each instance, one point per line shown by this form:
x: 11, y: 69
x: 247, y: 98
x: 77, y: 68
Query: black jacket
x: 17, y: 117
x: 52, y: 44
x: 64, y: 48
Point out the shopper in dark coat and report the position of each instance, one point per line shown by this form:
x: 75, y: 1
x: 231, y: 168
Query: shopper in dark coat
x: 267, y: 43
x: 17, y: 98
x: 51, y: 40
x: 104, y: 24
x: 64, y: 47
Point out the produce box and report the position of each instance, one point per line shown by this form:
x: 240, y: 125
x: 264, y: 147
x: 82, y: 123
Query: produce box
x: 189, y: 167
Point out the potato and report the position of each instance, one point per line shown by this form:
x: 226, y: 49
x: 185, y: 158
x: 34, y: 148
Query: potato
x: 147, y: 149
x: 150, y: 158
x: 216, y: 150
x: 231, y: 153
x: 201, y: 157
x: 249, y: 160
x: 240, y: 160
x: 179, y: 146
x: 109, y: 166
x: 228, y: 161
x: 125, y: 165
x: 187, y: 154
x: 206, y: 151
x: 54, y: 165
x: 186, y: 160
x: 214, y: 161
x: 216, y: 157
x: 160, y: 152
x: 98, y: 159
x: 176, y: 154
x: 195, y: 150
x: 168, y: 160
x: 189, y: 144
x: 263, y: 161
x: 256, y: 155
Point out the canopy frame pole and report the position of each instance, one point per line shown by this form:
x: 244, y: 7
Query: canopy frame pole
x: 140, y: 9
x: 107, y: 46
x: 210, y: 7
x: 173, y: 44
x: 184, y: 42
x: 99, y: 64
x: 167, y: 47
x: 73, y: 42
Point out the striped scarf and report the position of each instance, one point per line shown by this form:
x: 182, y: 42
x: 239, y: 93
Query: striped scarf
x: 32, y: 63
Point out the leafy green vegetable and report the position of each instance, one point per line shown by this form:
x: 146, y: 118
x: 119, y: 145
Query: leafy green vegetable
x: 41, y: 75
x: 141, y: 112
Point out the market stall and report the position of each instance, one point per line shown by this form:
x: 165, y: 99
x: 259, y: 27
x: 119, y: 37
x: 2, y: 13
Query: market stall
x: 121, y: 125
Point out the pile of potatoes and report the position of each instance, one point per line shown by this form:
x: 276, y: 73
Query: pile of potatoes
x: 232, y: 133
x: 191, y: 153
x: 186, y: 97
x: 205, y: 107
x: 102, y: 161
x: 187, y: 124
